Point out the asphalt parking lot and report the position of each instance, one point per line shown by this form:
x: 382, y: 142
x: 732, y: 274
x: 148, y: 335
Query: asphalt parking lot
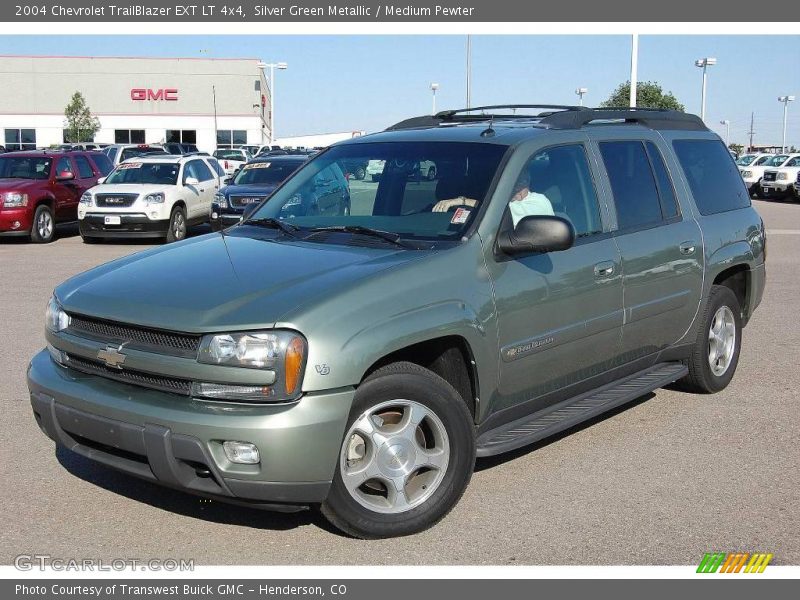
x: 661, y: 481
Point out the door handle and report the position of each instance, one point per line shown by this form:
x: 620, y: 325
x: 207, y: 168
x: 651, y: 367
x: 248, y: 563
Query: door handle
x: 687, y: 248
x: 604, y: 269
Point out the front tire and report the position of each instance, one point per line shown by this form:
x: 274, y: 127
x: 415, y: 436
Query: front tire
x: 177, y: 225
x: 407, y: 455
x: 715, y: 354
x: 43, y: 230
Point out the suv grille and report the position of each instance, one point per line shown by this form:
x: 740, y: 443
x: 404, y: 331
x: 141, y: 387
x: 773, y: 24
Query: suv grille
x: 115, y: 200
x: 139, y: 338
x: 156, y: 382
x: 243, y: 201
x: 770, y: 176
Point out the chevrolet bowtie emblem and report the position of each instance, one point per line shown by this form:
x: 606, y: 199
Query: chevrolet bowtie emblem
x: 112, y: 357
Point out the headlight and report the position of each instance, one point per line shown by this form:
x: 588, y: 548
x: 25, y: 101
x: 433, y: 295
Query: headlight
x: 282, y: 352
x: 86, y: 199
x: 219, y: 198
x: 782, y: 176
x: 55, y: 318
x: 747, y: 174
x: 154, y: 199
x: 15, y: 200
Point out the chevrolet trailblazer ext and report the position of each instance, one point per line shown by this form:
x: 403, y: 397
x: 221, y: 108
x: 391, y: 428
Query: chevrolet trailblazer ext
x: 560, y: 263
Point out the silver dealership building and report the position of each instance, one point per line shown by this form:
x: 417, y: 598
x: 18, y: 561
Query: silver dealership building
x: 204, y: 101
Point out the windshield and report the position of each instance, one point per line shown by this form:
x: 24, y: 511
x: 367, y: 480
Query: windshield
x: 776, y: 161
x: 746, y: 160
x: 229, y: 154
x: 137, y: 172
x: 269, y: 173
x: 24, y: 167
x: 401, y: 199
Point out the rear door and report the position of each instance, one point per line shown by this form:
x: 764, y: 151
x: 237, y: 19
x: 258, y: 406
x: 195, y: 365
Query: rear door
x: 201, y: 194
x: 659, y: 241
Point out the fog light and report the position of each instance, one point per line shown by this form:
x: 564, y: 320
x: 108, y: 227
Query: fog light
x: 241, y: 453
x: 214, y: 215
x: 235, y: 393
x: 15, y: 225
x: 154, y: 215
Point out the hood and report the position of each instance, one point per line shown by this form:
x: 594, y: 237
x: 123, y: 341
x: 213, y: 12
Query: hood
x: 20, y: 185
x: 222, y: 282
x: 256, y: 189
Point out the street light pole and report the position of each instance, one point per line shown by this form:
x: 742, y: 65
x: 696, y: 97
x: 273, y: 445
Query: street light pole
x: 785, y: 100
x: 434, y: 87
x: 634, y: 69
x: 469, y: 71
x: 580, y: 92
x: 727, y: 124
x: 704, y: 63
x: 272, y: 66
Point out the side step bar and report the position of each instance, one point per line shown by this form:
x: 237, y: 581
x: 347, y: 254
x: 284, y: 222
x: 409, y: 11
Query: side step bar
x: 573, y: 411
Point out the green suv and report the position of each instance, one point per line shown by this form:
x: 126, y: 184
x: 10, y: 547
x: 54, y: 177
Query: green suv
x: 561, y: 262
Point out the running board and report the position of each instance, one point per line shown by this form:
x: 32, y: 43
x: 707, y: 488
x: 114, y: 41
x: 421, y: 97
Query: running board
x: 573, y: 411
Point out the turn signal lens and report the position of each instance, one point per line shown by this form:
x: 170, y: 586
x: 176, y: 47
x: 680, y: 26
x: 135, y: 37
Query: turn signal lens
x: 293, y: 364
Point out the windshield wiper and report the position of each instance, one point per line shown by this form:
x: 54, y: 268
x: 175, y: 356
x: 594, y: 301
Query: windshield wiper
x: 388, y: 236
x: 286, y: 228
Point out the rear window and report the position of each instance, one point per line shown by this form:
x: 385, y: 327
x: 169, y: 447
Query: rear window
x: 712, y: 175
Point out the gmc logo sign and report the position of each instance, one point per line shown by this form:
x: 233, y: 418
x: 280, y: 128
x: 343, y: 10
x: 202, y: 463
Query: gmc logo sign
x: 142, y: 94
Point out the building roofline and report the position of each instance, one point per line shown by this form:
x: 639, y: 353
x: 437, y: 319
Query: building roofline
x: 194, y: 58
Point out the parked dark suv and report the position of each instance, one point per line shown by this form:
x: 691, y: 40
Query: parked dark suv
x: 40, y: 189
x: 251, y: 185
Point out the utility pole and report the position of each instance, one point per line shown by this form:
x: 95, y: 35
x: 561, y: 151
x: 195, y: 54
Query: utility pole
x: 752, y: 131
x: 469, y: 71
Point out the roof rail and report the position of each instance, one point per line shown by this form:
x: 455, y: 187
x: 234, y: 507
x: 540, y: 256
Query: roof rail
x: 458, y: 114
x: 654, y: 118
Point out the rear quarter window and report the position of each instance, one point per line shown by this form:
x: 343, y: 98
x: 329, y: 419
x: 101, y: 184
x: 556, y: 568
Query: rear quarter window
x: 712, y: 175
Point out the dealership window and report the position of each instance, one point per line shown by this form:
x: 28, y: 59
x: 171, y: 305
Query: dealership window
x: 66, y: 141
x: 181, y: 136
x: 129, y: 136
x: 231, y: 138
x: 20, y: 139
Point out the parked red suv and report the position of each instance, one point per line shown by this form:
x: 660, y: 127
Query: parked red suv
x: 39, y: 189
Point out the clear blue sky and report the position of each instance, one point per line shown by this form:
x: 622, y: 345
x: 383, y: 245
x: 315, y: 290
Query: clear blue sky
x: 339, y: 83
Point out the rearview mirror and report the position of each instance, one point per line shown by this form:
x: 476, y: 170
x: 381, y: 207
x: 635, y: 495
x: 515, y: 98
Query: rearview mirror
x: 538, y: 233
x: 190, y: 181
x: 248, y: 211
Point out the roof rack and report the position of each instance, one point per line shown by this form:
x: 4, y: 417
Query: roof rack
x: 560, y: 116
x: 654, y: 118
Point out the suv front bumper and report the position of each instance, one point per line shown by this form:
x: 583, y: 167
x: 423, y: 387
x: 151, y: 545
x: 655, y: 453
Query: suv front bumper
x: 177, y: 441
x: 776, y: 188
x: 131, y: 225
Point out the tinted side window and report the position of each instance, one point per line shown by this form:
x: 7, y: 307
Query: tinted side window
x: 632, y: 183
x: 669, y: 205
x: 84, y: 168
x: 198, y: 170
x: 103, y: 164
x: 713, y: 177
x: 561, y: 174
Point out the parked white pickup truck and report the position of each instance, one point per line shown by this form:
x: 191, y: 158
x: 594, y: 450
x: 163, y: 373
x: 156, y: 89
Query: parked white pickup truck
x: 779, y: 182
x: 751, y: 166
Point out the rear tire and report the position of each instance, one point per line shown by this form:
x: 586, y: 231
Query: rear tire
x: 177, y: 225
x: 413, y: 474
x: 715, y: 354
x: 43, y: 229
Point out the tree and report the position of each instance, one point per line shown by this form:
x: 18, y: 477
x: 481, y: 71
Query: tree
x: 79, y: 123
x: 738, y: 148
x: 648, y: 95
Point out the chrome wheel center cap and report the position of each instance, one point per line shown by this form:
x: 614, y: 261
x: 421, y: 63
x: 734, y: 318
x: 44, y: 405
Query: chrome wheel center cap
x: 396, y: 457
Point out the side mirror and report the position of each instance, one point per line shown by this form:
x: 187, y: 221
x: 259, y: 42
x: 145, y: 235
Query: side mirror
x: 248, y: 211
x: 539, y: 233
x: 101, y: 180
x: 191, y: 181
x: 65, y: 176
x: 227, y: 180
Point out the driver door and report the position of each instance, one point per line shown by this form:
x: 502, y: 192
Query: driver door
x: 559, y: 313
x: 65, y: 191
